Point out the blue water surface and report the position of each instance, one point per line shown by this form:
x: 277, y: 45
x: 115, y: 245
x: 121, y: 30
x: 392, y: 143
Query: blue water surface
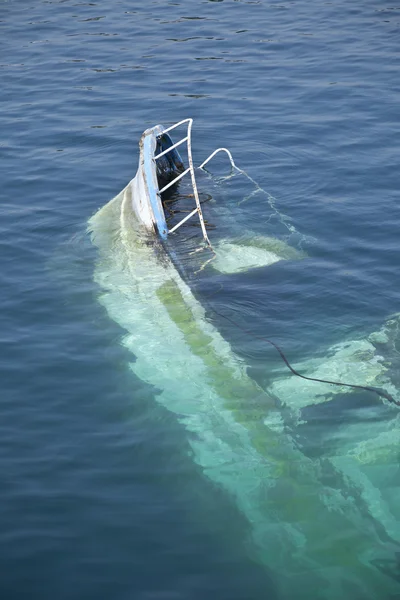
x: 100, y: 497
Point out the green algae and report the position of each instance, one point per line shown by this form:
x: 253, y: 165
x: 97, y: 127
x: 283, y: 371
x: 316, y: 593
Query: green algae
x: 314, y: 536
x: 291, y: 494
x: 249, y: 405
x: 247, y: 402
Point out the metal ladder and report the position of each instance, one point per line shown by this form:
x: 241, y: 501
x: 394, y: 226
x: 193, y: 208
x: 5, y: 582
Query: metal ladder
x: 190, y: 170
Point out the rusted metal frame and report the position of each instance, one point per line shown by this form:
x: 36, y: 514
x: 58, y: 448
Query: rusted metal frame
x: 177, y: 125
x: 194, y: 184
x: 188, y: 139
x: 171, y: 183
x: 183, y: 221
x: 171, y: 148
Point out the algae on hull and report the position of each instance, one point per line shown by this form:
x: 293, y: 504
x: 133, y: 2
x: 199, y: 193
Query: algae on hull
x: 311, y: 535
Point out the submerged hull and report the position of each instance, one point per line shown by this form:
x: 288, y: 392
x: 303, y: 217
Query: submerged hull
x: 310, y: 523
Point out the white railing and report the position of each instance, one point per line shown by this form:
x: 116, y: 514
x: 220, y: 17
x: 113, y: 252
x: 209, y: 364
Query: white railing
x: 190, y: 170
x: 216, y: 152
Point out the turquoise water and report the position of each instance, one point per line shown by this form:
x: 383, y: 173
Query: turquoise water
x: 102, y: 494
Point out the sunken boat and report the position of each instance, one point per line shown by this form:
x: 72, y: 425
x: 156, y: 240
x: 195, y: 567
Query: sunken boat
x: 326, y: 525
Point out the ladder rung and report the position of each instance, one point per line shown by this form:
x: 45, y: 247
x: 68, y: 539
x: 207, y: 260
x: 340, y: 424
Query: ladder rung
x: 177, y: 125
x: 174, y: 181
x: 171, y: 147
x: 183, y: 221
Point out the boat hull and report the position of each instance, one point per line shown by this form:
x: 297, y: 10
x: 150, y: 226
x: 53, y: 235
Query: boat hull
x: 312, y: 533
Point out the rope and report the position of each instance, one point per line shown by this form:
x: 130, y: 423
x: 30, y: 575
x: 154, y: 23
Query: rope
x: 271, y: 200
x: 378, y: 391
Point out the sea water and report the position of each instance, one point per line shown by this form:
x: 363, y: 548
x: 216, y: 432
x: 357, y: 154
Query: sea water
x: 102, y: 493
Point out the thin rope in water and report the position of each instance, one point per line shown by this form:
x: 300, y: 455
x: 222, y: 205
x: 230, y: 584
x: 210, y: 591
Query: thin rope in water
x: 292, y: 229
x: 380, y: 392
